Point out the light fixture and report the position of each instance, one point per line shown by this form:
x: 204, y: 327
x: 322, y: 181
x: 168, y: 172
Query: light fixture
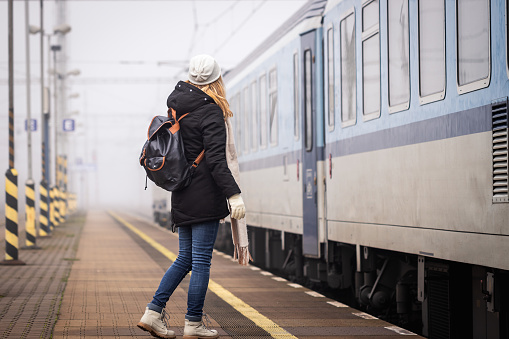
x: 34, y: 29
x: 62, y: 29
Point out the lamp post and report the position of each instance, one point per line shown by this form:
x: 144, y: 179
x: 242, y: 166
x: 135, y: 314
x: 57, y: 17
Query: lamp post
x: 30, y: 231
x: 11, y: 176
x: 62, y: 29
x: 54, y: 190
x: 58, y: 208
x: 44, y: 217
x: 63, y: 185
x: 55, y: 49
x: 45, y: 208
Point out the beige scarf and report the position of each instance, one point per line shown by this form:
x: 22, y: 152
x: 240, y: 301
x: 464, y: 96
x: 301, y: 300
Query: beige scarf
x: 239, y: 227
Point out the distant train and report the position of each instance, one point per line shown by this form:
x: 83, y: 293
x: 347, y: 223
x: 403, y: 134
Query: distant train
x: 372, y: 140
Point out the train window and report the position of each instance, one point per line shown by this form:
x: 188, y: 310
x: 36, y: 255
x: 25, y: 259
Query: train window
x: 370, y: 16
x: 473, y: 44
x: 370, y: 61
x: 348, y: 71
x: 330, y: 76
x: 431, y: 50
x: 263, y: 111
x: 308, y: 105
x: 273, y: 106
x: 246, y: 111
x: 398, y: 52
x: 254, y: 116
x: 296, y: 96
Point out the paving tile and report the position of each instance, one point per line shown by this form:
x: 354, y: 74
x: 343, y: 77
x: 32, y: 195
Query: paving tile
x: 31, y: 293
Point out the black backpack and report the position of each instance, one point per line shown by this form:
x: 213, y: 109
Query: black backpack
x: 163, y: 156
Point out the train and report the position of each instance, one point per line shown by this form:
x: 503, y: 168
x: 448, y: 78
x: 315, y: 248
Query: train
x: 372, y: 144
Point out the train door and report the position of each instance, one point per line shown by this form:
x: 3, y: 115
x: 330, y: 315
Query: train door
x: 310, y: 240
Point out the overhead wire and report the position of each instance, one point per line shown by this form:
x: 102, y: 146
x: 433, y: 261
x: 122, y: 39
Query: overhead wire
x: 214, y: 20
x: 236, y: 30
x: 195, y: 30
x: 197, y: 27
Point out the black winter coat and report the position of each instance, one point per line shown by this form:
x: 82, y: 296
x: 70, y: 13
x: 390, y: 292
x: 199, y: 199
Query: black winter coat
x: 205, y: 199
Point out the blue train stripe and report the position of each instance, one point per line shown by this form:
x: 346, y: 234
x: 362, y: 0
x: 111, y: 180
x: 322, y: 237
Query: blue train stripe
x: 271, y: 161
x: 475, y: 120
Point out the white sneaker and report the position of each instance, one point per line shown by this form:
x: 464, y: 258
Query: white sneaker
x: 196, y: 330
x: 156, y: 323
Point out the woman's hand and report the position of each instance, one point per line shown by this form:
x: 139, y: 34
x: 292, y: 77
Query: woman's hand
x: 237, y: 208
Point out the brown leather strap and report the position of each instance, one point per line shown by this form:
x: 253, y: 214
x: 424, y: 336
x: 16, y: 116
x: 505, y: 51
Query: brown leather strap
x: 175, y: 125
x: 173, y: 113
x: 182, y: 117
x: 199, y: 158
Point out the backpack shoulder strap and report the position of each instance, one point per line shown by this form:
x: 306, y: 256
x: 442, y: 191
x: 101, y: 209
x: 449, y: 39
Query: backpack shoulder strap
x: 198, y: 159
x: 176, y: 127
x: 173, y: 113
x: 182, y: 117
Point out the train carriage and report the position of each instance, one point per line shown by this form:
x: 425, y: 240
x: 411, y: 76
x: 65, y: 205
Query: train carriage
x: 372, y: 141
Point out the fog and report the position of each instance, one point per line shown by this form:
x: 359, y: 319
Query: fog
x: 130, y: 55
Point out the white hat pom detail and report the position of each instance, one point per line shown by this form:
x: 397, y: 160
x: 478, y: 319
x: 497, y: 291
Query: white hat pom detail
x: 203, y: 70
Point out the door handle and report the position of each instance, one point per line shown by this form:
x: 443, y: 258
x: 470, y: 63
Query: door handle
x: 486, y: 294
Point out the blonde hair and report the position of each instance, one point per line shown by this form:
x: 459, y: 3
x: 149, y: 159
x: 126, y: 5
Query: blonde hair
x: 216, y: 91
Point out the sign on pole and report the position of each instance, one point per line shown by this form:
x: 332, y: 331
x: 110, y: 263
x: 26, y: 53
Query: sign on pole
x: 33, y: 125
x: 68, y: 125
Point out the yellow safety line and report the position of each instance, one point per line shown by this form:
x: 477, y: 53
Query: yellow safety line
x: 262, y: 321
x: 167, y: 253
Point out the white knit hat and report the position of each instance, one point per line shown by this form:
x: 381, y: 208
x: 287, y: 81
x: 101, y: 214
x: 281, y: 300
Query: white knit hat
x: 203, y: 70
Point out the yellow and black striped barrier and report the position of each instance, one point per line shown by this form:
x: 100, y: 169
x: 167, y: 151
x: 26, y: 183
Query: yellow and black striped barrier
x: 71, y: 203
x: 30, y: 231
x: 61, y: 188
x: 65, y: 194
x: 11, y: 218
x: 52, y: 209
x: 61, y: 211
x: 44, y: 230
x: 57, y: 205
x: 63, y: 205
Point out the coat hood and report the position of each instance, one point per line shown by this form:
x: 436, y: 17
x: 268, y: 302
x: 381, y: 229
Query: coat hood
x: 187, y: 98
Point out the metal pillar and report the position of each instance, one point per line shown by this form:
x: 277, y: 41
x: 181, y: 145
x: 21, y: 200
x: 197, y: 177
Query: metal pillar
x: 44, y: 217
x: 11, y: 176
x: 30, y: 229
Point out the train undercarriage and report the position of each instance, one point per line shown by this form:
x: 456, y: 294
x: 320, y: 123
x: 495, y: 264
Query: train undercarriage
x: 431, y: 297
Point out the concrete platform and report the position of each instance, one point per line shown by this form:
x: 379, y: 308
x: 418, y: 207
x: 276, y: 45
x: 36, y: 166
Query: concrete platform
x: 116, y: 267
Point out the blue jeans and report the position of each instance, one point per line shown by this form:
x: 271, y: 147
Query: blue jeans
x: 196, y: 243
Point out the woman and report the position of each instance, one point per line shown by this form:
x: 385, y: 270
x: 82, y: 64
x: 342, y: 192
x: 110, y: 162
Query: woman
x: 198, y: 208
